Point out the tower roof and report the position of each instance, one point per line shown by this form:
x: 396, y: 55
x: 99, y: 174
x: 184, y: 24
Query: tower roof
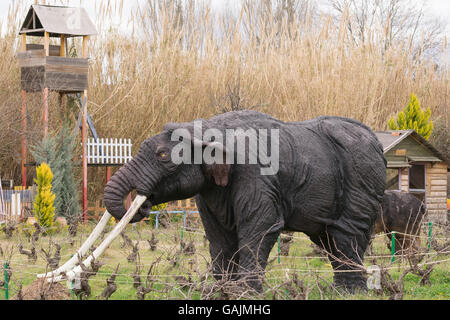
x: 57, y: 20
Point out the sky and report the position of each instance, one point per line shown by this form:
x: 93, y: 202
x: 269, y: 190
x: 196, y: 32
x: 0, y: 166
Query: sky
x: 439, y: 8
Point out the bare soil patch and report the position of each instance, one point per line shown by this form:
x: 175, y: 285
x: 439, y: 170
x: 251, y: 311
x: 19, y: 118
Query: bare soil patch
x: 40, y: 289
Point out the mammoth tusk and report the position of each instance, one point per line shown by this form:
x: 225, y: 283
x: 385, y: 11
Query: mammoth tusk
x: 83, y: 249
x: 138, y: 201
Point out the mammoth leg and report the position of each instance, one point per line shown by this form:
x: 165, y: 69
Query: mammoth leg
x: 345, y: 253
x: 257, y: 235
x: 253, y: 254
x: 223, y: 244
x: 369, y: 250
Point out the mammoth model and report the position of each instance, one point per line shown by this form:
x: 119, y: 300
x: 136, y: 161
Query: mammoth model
x: 324, y: 177
x: 404, y: 214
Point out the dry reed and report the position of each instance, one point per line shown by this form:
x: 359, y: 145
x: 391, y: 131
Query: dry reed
x: 179, y: 64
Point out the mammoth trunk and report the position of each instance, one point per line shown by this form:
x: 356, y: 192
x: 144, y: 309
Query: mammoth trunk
x: 120, y: 185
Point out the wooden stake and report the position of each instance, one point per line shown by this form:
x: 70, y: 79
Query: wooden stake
x: 45, y: 93
x: 84, y: 142
x: 62, y: 106
x: 47, y: 43
x: 62, y: 47
x: 24, y: 138
x: 108, y: 174
x: 84, y: 139
x: 128, y: 201
x: 45, y: 111
x: 24, y: 121
x: 24, y: 42
x: 84, y: 51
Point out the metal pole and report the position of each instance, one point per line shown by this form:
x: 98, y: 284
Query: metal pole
x: 181, y: 241
x: 6, y: 281
x: 181, y: 231
x: 393, y: 246
x: 71, y: 283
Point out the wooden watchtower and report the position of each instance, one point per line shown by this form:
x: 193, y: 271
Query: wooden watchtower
x: 46, y: 67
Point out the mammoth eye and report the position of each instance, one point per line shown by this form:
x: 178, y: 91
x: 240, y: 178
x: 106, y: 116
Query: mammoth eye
x: 163, y: 154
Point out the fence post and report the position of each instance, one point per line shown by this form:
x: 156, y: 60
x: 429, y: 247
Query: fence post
x: 71, y: 283
x: 157, y: 220
x: 393, y: 246
x: 430, y: 225
x: 184, y: 219
x: 6, y: 281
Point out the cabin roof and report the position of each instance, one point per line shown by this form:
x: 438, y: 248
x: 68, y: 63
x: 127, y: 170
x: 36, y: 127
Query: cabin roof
x: 57, y: 20
x: 391, y: 138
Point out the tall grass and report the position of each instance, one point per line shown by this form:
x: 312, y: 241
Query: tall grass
x: 183, y: 63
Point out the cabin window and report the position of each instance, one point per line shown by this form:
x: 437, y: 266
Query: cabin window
x: 417, y: 181
x: 392, y: 179
x: 417, y: 177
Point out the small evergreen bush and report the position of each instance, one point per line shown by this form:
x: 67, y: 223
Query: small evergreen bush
x: 44, y: 209
x: 57, y: 152
x: 413, y: 117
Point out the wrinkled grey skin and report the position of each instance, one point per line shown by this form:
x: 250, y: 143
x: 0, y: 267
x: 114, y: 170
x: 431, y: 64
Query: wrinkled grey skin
x: 403, y: 213
x: 329, y: 185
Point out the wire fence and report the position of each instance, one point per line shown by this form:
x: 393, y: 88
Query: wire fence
x: 169, y: 248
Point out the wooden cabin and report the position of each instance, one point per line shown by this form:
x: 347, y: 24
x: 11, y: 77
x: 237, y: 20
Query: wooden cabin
x: 415, y: 166
x: 47, y: 66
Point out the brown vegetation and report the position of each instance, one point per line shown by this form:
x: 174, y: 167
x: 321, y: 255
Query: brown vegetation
x: 180, y: 64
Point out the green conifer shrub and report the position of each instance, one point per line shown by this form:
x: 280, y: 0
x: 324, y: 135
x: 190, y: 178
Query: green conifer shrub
x: 67, y: 204
x: 57, y: 152
x: 413, y: 117
x: 44, y: 210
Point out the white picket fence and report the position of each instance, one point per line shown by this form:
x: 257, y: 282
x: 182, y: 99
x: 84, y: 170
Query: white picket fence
x: 108, y: 151
x: 14, y: 202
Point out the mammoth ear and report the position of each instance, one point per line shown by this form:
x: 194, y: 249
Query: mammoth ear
x: 215, y: 158
x: 220, y: 173
x: 213, y: 151
x: 216, y: 164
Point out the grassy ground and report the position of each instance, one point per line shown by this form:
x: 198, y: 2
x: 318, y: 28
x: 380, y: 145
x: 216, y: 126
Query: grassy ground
x: 314, y: 270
